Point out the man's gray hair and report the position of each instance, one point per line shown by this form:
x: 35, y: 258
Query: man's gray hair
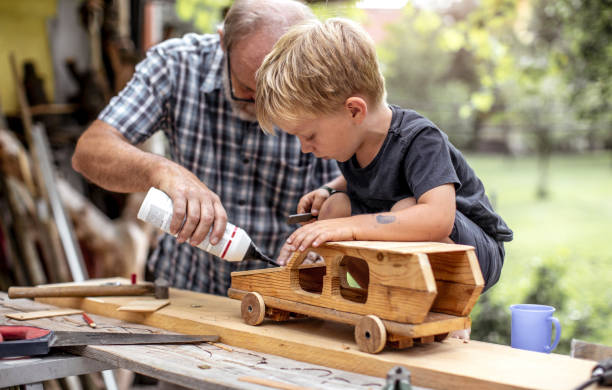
x: 248, y: 16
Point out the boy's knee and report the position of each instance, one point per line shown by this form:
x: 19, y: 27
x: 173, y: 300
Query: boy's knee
x: 403, y: 204
x: 337, y: 205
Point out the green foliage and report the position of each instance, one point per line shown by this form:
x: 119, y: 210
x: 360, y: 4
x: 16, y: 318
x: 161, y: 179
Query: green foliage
x: 337, y: 9
x: 491, y: 321
x: 531, y: 68
x: 415, y: 68
x: 560, y: 255
x: 578, y: 37
x: 204, y: 14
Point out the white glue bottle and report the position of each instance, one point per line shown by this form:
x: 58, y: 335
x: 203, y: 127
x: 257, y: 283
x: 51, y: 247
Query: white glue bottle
x: 235, y: 245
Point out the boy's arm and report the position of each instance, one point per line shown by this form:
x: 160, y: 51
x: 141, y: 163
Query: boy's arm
x: 431, y: 219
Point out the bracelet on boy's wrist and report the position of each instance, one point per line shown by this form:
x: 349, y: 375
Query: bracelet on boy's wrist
x: 328, y: 189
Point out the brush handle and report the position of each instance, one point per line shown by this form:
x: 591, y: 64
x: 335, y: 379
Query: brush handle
x: 80, y: 291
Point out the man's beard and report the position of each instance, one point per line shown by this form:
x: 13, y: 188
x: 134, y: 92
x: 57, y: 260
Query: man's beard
x: 243, y: 110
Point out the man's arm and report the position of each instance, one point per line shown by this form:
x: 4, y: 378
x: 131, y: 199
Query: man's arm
x: 104, y: 156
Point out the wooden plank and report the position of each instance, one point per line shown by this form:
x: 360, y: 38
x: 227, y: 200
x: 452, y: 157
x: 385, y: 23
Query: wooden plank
x: 401, y: 247
x: 458, y: 279
x: 270, y: 383
x: 145, y: 305
x: 198, y: 366
x: 25, y: 231
x: 21, y: 371
x: 592, y: 351
x: 33, y: 315
x: 448, y: 364
x: 455, y: 298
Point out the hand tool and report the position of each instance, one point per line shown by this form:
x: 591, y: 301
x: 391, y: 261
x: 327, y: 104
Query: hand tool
x: 602, y: 375
x: 89, y: 321
x: 398, y: 378
x: 30, y: 340
x: 298, y: 218
x: 159, y: 289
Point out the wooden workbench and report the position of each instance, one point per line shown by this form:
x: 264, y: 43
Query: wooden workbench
x: 449, y: 364
x: 205, y: 365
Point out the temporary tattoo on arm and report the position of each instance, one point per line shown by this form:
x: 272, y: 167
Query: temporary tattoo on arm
x: 385, y: 219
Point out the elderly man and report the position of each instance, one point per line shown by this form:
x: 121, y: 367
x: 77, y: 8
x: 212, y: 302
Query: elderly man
x: 199, y: 91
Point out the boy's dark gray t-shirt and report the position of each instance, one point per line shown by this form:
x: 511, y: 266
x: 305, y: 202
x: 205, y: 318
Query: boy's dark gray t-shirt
x: 416, y: 157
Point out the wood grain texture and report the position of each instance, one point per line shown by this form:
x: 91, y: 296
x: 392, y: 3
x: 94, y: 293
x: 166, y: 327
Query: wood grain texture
x: 401, y: 286
x: 273, y: 384
x: 198, y: 366
x: 401, y: 281
x: 592, y: 351
x: 32, y: 315
x: 145, y: 305
x: 449, y: 364
x: 370, y: 334
x: 80, y: 291
x: 434, y: 323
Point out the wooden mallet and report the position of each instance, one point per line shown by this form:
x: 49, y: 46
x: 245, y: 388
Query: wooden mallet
x: 159, y: 289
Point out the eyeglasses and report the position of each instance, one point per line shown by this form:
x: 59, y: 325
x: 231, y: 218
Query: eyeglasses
x: 231, y: 87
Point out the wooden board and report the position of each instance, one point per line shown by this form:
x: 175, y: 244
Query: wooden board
x: 32, y: 315
x: 449, y: 364
x: 145, y: 305
x: 197, y: 366
x: 592, y: 351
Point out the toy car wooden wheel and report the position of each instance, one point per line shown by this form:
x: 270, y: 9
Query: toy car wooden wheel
x: 253, y: 308
x: 370, y: 334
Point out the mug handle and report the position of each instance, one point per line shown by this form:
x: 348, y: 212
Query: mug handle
x: 557, y: 335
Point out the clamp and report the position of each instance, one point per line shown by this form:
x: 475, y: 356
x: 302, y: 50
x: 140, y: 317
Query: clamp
x: 398, y: 378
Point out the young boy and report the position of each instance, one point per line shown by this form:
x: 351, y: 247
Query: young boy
x: 404, y: 180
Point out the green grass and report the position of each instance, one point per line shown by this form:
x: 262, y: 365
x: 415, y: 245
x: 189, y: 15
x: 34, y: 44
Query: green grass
x: 571, y: 228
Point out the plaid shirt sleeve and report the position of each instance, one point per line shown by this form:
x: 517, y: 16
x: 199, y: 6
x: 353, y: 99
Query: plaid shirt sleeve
x: 140, y: 109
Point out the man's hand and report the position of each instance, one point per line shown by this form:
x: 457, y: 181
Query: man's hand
x: 319, y: 232
x: 193, y: 203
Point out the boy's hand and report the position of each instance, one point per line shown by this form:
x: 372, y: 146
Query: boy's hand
x: 319, y: 232
x: 286, y: 253
x: 312, y: 202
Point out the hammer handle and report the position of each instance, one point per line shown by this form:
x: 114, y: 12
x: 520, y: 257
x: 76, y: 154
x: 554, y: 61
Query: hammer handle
x: 80, y: 291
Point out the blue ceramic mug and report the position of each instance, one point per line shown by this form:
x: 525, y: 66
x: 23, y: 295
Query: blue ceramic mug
x: 532, y: 327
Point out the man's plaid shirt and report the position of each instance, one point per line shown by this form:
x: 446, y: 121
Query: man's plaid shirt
x: 260, y: 178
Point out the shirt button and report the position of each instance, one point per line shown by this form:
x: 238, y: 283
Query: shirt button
x: 241, y: 202
x: 245, y: 160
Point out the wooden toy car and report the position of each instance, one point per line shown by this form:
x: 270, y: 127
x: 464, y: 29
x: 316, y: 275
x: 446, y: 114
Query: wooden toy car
x: 408, y: 291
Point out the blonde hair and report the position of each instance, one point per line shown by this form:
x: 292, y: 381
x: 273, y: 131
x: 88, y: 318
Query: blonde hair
x: 313, y: 69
